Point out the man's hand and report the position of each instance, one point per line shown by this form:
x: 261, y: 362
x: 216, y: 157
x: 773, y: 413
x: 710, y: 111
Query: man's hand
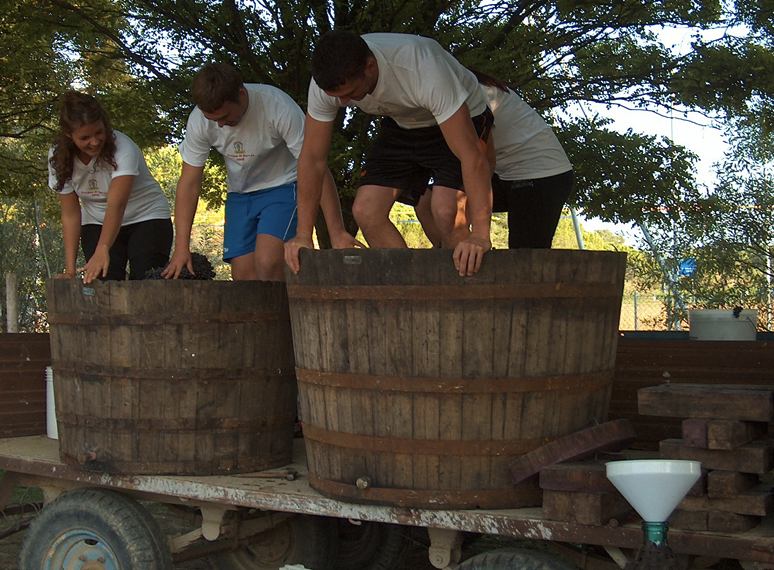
x: 469, y: 253
x: 97, y: 266
x: 344, y: 240
x: 292, y: 247
x: 180, y: 258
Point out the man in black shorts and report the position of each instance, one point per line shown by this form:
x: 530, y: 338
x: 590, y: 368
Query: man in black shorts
x: 435, y: 127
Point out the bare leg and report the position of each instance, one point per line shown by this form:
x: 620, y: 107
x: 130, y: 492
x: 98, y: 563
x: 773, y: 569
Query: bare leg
x: 372, y: 213
x: 425, y: 216
x: 269, y: 258
x: 448, y: 208
x: 266, y: 263
x: 243, y: 268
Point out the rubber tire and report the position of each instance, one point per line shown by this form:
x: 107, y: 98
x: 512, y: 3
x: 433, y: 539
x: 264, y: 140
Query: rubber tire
x: 515, y: 558
x: 311, y: 541
x: 121, y: 523
x: 370, y: 546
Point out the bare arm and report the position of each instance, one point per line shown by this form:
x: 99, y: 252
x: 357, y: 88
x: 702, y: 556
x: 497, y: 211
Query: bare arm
x: 331, y: 207
x: 71, y: 230
x: 460, y: 135
x: 186, y: 199
x: 117, y: 198
x: 312, y: 172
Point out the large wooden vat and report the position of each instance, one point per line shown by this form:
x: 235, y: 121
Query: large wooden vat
x: 417, y: 387
x: 183, y: 377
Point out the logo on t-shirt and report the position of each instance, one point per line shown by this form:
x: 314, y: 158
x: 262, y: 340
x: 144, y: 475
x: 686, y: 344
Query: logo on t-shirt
x: 93, y: 186
x: 239, y: 151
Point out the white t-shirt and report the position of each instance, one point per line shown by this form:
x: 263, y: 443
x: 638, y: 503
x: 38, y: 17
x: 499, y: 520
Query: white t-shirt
x: 261, y: 150
x: 525, y: 146
x: 92, y: 181
x: 420, y: 84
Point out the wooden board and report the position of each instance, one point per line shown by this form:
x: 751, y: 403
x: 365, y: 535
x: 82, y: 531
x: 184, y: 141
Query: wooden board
x: 753, y: 403
x: 583, y: 477
x: 724, y: 484
x: 716, y: 521
x: 730, y: 434
x: 584, y: 508
x: 758, y: 501
x: 608, y: 436
x: 755, y: 457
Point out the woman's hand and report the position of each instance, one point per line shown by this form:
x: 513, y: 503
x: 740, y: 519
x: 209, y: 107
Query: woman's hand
x: 97, y: 266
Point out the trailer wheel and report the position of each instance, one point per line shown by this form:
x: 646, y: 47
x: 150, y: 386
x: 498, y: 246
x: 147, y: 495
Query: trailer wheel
x: 94, y: 528
x: 521, y: 558
x: 304, y: 539
x: 370, y: 546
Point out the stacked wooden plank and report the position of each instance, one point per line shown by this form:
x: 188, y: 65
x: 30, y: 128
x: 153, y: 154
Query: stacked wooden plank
x: 725, y: 427
x: 580, y: 492
x: 650, y: 360
x: 575, y: 487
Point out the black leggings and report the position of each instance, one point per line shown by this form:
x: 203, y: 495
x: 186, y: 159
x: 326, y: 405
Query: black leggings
x: 534, y: 207
x: 145, y: 245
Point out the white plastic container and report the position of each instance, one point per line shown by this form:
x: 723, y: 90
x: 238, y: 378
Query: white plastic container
x: 720, y: 324
x: 51, y: 429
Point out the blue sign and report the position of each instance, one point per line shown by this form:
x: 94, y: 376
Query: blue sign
x: 687, y: 267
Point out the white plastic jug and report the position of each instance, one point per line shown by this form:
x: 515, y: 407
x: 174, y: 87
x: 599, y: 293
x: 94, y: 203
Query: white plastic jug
x: 51, y: 429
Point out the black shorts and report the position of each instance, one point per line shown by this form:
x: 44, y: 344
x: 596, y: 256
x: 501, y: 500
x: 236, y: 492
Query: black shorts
x: 144, y: 245
x: 408, y: 159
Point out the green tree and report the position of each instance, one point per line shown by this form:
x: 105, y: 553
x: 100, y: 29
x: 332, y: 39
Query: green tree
x: 139, y: 57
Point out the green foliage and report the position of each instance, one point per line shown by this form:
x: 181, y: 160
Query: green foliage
x: 612, y: 186
x: 139, y: 56
x: 207, y: 232
x: 32, y: 249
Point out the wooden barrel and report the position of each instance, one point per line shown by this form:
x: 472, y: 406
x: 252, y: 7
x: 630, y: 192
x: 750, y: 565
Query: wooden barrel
x: 418, y: 387
x: 177, y: 377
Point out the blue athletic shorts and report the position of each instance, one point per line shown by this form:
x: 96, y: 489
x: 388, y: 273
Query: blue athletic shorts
x: 271, y: 211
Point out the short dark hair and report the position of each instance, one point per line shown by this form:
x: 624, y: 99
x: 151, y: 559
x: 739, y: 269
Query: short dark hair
x: 214, y: 85
x: 340, y: 55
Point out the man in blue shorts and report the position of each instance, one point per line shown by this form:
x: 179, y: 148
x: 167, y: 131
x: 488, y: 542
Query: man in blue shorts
x: 259, y: 130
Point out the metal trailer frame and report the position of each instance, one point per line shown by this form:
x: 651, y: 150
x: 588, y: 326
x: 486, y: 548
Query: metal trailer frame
x: 34, y: 461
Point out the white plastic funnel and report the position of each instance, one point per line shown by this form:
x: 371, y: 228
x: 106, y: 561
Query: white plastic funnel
x: 654, y: 487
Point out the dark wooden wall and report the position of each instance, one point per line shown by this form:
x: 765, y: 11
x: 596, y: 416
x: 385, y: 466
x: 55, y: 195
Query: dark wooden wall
x: 653, y: 360
x: 641, y: 361
x: 23, y: 361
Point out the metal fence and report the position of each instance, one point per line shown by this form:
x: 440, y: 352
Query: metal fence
x: 648, y: 312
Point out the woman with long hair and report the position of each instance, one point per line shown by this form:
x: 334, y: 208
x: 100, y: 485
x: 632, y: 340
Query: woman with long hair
x: 110, y: 202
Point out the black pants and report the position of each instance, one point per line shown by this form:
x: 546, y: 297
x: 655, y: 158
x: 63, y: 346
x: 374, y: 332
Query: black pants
x: 534, y: 207
x: 144, y: 245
